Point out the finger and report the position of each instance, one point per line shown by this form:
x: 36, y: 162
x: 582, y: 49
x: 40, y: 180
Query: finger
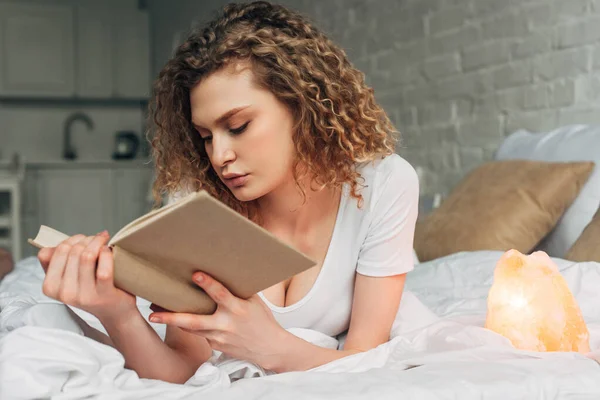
x: 157, y: 308
x: 105, y: 271
x: 89, y: 259
x: 56, y: 266
x: 44, y: 256
x: 70, y: 281
x: 73, y: 240
x: 215, y: 290
x: 192, y: 322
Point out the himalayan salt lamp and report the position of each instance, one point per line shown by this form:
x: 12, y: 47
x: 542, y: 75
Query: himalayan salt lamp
x: 530, y: 303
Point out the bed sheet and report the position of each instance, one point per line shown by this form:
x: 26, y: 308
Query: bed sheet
x: 438, y: 349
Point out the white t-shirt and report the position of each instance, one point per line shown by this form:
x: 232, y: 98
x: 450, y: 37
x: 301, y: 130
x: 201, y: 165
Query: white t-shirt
x: 375, y: 240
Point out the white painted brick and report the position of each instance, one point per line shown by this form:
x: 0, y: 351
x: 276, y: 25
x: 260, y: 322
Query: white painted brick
x: 587, y: 89
x: 562, y: 93
x: 435, y: 113
x: 485, y: 8
x: 424, y: 137
x: 410, y: 138
x: 596, y: 57
x: 454, y: 40
x: 392, y: 100
x: 513, y: 74
x: 463, y: 108
x: 510, y: 99
x: 415, y: 8
x: 530, y: 45
x: 416, y: 157
x: 470, y: 85
x: 506, y: 26
x: 480, y: 131
x: 578, y: 33
x: 571, y: 9
x: 535, y: 121
x: 406, y: 118
x: 535, y: 97
x: 489, y: 153
x: 470, y: 157
x: 541, y: 15
x: 414, y: 52
x: 486, y: 104
x: 439, y: 67
x: 448, y: 18
x: 561, y: 64
x: 484, y: 55
x: 421, y: 94
x: 579, y: 116
x: 444, y: 157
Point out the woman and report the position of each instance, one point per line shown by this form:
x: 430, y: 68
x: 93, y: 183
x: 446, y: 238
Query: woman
x: 265, y: 113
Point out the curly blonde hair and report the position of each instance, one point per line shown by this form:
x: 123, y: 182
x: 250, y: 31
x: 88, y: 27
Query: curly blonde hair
x: 337, y: 121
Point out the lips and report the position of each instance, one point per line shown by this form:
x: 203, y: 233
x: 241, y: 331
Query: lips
x: 235, y: 180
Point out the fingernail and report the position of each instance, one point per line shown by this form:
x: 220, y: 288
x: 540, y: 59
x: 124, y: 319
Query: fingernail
x: 199, y: 278
x: 155, y: 319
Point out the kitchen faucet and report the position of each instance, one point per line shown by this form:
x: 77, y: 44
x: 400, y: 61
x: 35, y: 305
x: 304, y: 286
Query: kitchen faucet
x: 68, y: 150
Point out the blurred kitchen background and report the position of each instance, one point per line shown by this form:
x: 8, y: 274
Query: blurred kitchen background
x: 455, y: 76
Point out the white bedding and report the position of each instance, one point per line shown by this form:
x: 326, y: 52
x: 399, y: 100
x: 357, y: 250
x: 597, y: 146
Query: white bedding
x: 438, y: 350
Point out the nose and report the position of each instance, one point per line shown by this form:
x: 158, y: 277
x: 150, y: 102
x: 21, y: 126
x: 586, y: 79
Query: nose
x: 222, y: 150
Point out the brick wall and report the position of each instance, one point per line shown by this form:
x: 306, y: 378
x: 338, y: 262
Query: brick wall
x: 456, y: 76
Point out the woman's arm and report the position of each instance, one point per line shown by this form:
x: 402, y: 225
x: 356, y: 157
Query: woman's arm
x: 375, y: 304
x: 175, y: 360
x: 79, y: 272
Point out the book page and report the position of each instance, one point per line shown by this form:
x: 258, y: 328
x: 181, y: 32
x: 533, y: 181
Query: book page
x: 47, y: 237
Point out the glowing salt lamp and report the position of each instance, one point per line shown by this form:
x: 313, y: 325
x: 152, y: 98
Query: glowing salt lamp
x: 530, y: 303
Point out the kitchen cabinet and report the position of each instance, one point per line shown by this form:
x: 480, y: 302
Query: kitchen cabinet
x: 71, y: 49
x: 75, y: 201
x: 84, y: 197
x: 36, y: 50
x: 130, y: 195
x: 113, y: 50
x: 132, y: 55
x: 95, y: 72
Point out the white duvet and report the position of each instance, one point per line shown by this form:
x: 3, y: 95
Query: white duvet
x: 438, y: 349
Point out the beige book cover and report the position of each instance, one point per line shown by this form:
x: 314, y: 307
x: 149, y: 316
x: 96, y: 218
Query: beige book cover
x: 156, y: 254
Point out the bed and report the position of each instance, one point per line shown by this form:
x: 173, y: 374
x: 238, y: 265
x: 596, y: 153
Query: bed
x: 438, y: 347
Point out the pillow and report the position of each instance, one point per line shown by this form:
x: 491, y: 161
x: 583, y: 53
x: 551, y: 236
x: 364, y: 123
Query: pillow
x: 501, y: 205
x: 587, y: 247
x: 566, y: 144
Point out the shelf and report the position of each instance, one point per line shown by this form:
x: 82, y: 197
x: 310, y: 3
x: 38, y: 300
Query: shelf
x: 73, y: 101
x: 5, y: 221
x: 5, y: 242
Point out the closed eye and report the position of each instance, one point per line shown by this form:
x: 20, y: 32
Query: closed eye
x: 237, y: 131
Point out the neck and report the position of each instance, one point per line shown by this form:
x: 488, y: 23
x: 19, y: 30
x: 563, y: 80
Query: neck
x: 285, y: 209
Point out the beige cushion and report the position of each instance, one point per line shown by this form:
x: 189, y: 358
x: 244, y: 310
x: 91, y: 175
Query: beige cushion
x: 587, y: 246
x: 501, y: 205
x: 6, y: 263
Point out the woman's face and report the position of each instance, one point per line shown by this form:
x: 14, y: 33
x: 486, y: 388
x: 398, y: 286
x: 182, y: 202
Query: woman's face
x: 247, y: 132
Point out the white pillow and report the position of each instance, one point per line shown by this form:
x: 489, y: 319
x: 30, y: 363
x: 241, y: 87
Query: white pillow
x: 569, y: 143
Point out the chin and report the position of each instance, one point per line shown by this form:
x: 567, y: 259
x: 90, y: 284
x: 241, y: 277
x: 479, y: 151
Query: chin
x: 246, y: 193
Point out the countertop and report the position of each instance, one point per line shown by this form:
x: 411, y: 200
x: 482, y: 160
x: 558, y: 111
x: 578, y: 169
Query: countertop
x: 76, y: 164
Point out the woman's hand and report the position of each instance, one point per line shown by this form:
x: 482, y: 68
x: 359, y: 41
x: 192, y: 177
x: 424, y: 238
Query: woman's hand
x: 244, y: 329
x: 79, y: 272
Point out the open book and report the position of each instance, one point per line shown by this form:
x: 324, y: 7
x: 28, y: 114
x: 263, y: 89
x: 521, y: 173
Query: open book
x: 156, y: 254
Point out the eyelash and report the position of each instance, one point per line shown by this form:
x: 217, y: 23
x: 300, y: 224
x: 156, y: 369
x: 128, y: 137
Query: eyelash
x: 234, y: 131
